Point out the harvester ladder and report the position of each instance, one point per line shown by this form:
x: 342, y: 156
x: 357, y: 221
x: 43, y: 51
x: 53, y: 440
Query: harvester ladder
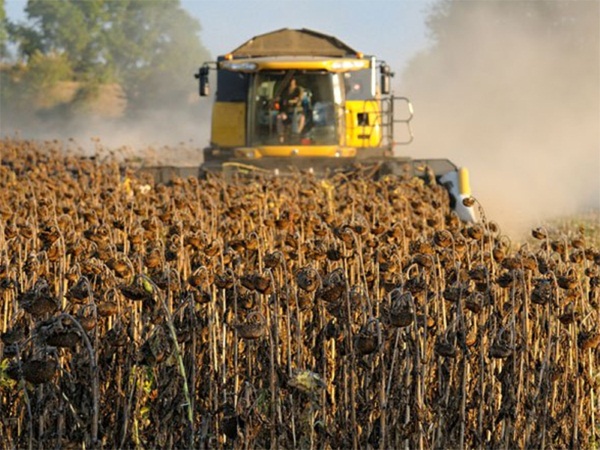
x: 392, y: 116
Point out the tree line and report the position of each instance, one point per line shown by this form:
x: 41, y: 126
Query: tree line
x: 63, y: 57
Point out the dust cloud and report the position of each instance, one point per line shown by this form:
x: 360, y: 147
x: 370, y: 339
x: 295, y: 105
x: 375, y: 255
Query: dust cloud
x: 512, y: 92
x: 173, y: 134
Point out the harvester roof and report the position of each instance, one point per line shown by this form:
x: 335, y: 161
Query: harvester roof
x: 288, y: 42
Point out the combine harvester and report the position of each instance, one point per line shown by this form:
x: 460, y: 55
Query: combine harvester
x: 300, y: 100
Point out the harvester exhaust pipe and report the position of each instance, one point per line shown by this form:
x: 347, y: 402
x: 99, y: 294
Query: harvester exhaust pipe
x: 386, y: 79
x: 202, y: 76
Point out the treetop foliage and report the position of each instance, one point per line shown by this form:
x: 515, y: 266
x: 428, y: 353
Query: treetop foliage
x: 3, y: 33
x: 149, y: 48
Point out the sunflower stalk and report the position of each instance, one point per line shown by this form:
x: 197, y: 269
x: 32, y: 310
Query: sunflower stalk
x: 178, y: 355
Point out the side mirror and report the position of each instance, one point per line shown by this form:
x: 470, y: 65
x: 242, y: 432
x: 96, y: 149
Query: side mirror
x: 386, y: 79
x: 202, y: 76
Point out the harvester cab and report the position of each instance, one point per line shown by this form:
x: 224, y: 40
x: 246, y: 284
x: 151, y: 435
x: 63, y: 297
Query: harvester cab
x: 302, y: 100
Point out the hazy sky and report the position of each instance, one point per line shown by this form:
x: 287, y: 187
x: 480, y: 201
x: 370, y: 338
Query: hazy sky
x: 392, y: 30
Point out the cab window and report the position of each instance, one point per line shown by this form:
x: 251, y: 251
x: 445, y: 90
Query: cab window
x: 309, y: 121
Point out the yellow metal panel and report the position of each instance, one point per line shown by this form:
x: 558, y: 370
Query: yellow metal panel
x: 363, y: 123
x: 229, y: 124
x: 329, y: 151
x: 331, y: 65
x: 463, y: 181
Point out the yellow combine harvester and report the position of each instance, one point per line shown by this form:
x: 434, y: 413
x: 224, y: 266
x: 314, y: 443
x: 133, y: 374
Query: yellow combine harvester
x: 302, y: 100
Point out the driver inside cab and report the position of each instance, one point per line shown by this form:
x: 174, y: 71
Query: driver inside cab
x: 291, y: 111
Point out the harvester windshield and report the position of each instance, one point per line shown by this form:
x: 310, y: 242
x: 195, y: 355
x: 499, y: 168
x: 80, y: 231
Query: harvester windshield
x: 295, y: 107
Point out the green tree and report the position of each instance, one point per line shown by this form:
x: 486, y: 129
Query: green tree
x: 150, y: 48
x: 3, y: 31
x: 154, y: 50
x: 78, y: 29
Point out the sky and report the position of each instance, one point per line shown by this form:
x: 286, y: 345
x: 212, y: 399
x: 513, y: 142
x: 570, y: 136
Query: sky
x: 392, y: 30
